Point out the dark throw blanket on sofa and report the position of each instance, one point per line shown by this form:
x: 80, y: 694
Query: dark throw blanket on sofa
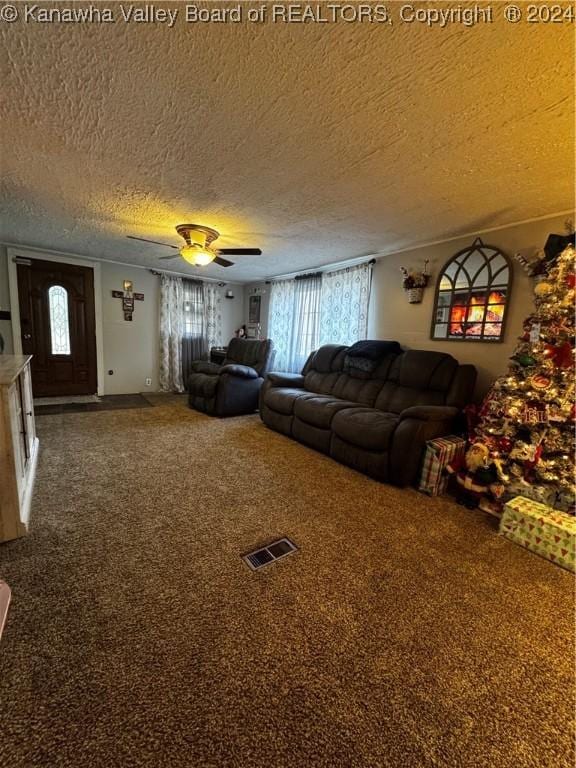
x: 365, y: 356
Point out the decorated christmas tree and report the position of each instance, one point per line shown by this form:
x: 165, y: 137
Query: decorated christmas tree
x: 527, y: 419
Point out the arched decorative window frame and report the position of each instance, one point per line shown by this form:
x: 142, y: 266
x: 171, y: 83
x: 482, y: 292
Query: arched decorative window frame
x: 477, y: 245
x: 68, y: 295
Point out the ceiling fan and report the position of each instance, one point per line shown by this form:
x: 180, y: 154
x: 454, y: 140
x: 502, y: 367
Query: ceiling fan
x: 197, y: 249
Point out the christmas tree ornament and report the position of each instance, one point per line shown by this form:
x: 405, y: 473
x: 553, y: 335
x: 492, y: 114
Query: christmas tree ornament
x: 534, y: 334
x: 535, y: 412
x: 524, y: 359
x: 543, y: 288
x: 562, y: 356
x: 539, y: 381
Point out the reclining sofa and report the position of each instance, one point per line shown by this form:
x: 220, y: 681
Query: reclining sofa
x: 232, y: 388
x: 374, y: 415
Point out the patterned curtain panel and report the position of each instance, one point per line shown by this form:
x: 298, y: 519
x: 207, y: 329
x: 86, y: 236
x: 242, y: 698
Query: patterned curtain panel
x: 345, y: 300
x: 307, y: 312
x: 280, y: 321
x: 194, y: 343
x: 213, y: 315
x: 171, y: 333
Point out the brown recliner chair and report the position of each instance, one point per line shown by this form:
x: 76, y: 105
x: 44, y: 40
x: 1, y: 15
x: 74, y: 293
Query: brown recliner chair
x: 374, y: 418
x: 232, y: 388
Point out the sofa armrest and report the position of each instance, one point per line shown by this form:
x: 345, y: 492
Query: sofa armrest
x: 286, y: 380
x: 411, y: 436
x: 429, y: 413
x: 242, y: 371
x: 202, y: 366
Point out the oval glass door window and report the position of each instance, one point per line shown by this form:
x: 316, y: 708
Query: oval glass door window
x: 59, y: 320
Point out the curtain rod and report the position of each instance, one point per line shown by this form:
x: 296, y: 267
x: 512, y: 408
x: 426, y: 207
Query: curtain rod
x: 304, y: 275
x: 307, y: 275
x: 189, y: 277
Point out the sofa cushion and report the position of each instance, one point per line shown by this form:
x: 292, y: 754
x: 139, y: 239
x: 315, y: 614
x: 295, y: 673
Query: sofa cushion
x: 361, y: 392
x: 328, y: 358
x: 365, y: 427
x: 282, y: 399
x: 202, y: 384
x: 255, y: 353
x: 319, y: 411
x: 417, y: 377
x: 321, y: 383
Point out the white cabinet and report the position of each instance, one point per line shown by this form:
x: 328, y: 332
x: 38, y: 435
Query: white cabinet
x: 18, y: 445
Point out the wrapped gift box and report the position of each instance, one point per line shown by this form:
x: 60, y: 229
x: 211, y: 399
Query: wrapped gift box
x: 547, y: 532
x: 439, y: 453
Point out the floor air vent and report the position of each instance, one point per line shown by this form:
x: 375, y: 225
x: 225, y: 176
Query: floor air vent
x: 269, y: 554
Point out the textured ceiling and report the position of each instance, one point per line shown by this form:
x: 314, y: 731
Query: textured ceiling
x: 315, y: 142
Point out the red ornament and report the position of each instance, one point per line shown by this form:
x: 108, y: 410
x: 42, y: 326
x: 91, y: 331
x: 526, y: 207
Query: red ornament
x: 561, y: 356
x: 505, y: 444
x: 571, y: 280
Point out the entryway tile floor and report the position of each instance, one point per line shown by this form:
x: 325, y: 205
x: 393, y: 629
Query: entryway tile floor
x: 105, y: 403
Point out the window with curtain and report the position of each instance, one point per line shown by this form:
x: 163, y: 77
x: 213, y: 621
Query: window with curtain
x: 190, y: 323
x: 312, y: 310
x: 194, y: 343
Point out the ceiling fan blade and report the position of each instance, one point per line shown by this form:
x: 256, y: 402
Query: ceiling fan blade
x: 240, y: 251
x: 223, y: 262
x: 163, y: 258
x: 155, y: 242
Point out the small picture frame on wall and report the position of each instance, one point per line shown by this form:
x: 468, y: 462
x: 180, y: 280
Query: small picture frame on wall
x: 254, y: 309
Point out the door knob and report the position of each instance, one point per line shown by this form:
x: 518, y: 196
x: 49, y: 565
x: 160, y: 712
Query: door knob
x: 27, y: 336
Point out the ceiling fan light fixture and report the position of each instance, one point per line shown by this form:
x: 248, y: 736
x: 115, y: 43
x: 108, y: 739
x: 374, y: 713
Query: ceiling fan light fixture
x: 197, y: 256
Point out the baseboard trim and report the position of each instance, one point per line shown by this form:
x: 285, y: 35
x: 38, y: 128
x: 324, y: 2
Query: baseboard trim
x: 29, y: 492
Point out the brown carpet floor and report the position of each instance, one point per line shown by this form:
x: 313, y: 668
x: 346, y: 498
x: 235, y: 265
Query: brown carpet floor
x: 404, y: 633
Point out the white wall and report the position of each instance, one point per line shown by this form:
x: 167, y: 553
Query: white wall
x: 130, y: 349
x: 232, y: 312
x: 391, y: 317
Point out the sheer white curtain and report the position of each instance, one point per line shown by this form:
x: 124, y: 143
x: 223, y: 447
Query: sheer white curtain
x: 309, y: 311
x: 345, y: 300
x: 171, y: 333
x: 294, y: 320
x: 306, y: 325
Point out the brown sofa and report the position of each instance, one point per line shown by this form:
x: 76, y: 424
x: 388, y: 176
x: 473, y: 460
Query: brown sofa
x: 376, y: 421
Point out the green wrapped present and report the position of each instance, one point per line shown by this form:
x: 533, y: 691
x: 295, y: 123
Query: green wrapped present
x: 542, y: 530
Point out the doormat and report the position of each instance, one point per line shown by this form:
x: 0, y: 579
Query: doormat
x: 104, y: 403
x: 66, y: 400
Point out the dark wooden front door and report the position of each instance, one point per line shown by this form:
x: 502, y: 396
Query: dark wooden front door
x: 58, y: 326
